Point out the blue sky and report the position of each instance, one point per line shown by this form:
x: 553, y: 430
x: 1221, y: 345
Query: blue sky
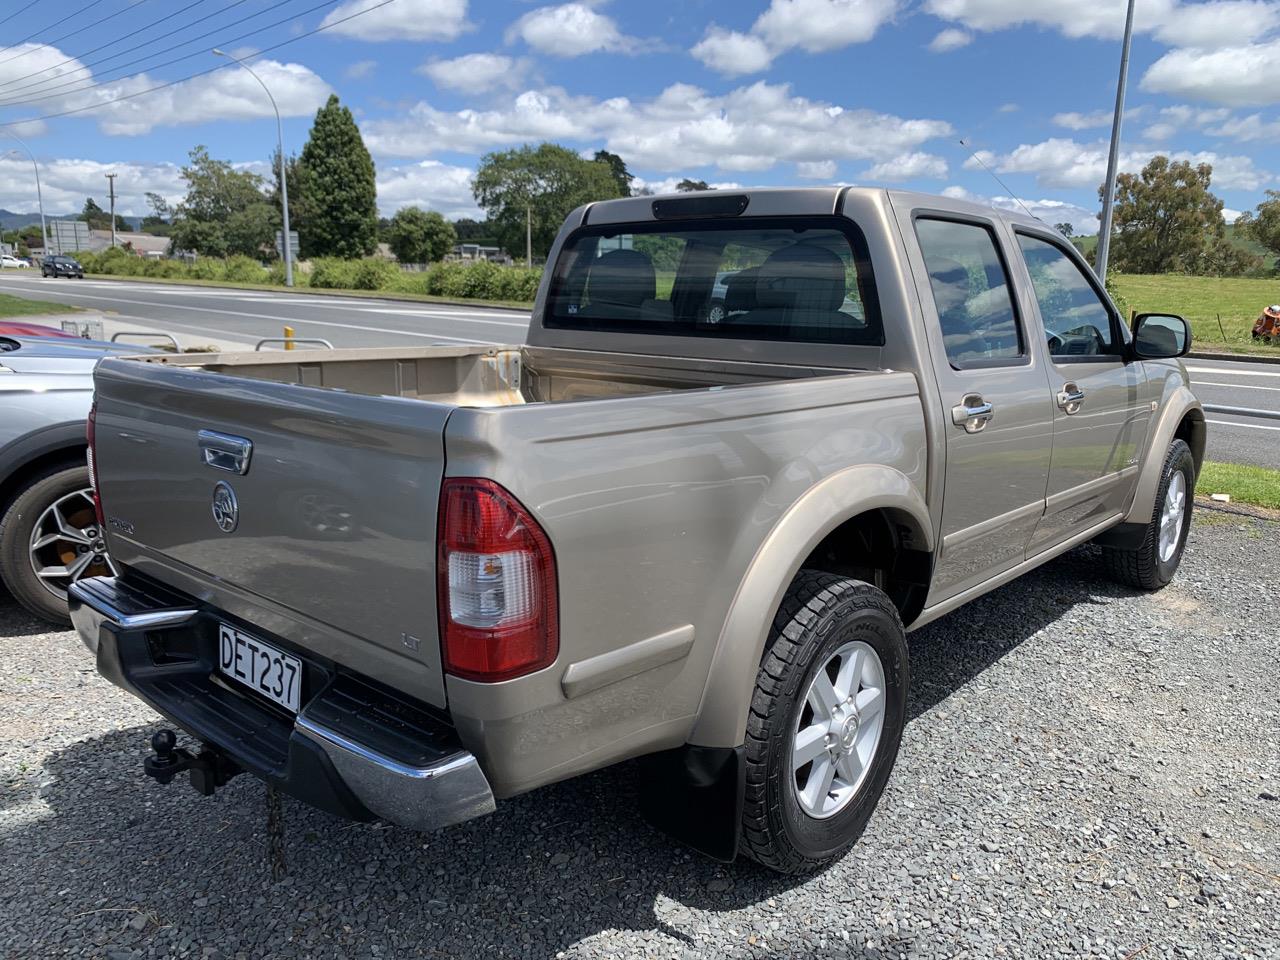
x: 754, y: 92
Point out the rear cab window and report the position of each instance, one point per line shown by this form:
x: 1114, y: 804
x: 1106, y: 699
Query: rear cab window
x: 768, y: 278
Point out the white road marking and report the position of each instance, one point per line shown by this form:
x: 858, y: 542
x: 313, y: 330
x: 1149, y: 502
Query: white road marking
x: 1235, y: 386
x: 1234, y: 373
x: 465, y: 318
x: 1245, y: 426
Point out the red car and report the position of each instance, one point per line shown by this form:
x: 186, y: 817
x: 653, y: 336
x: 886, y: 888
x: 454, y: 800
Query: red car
x: 11, y: 328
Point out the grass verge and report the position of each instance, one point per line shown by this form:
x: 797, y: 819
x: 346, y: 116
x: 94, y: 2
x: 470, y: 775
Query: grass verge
x: 319, y: 291
x: 11, y: 306
x: 1205, y: 301
x: 1257, y: 486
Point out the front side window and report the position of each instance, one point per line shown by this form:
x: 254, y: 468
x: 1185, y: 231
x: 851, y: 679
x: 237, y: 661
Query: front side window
x: 1076, y: 321
x: 971, y: 292
x: 763, y: 279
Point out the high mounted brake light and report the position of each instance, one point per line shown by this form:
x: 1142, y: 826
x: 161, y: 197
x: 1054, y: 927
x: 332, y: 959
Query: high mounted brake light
x: 91, y: 459
x: 497, y: 597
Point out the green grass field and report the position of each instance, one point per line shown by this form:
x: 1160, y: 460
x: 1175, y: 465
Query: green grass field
x: 1202, y: 300
x: 17, y: 307
x: 1255, y: 485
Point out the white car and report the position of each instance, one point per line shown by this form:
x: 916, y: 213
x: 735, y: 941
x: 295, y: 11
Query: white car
x: 7, y: 261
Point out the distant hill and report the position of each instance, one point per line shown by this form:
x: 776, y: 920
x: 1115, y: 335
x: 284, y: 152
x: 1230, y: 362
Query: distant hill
x: 11, y: 221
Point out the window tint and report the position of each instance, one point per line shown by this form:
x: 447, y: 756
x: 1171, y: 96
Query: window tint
x: 971, y: 292
x: 775, y: 279
x: 1076, y: 321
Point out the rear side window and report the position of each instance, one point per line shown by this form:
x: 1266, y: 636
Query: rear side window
x: 971, y: 292
x: 762, y: 279
x: 1077, y: 324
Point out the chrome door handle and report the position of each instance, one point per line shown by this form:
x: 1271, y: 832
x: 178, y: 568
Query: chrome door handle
x: 973, y: 413
x: 1070, y: 399
x: 222, y: 451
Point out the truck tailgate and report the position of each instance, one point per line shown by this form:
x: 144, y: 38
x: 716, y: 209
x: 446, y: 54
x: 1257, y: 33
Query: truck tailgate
x: 333, y: 546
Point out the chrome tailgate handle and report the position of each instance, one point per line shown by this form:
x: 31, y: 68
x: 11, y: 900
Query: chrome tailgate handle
x: 973, y: 413
x: 1070, y: 399
x: 222, y: 451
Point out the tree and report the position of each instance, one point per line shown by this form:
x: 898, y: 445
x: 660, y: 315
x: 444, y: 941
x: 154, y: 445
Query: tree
x: 224, y: 211
x: 416, y: 236
x: 546, y: 183
x: 618, y: 169
x: 1066, y: 229
x: 475, y: 231
x: 299, y: 192
x: 337, y: 180
x: 1167, y: 221
x: 1263, y: 225
x: 99, y: 219
x: 688, y: 186
x: 157, y: 222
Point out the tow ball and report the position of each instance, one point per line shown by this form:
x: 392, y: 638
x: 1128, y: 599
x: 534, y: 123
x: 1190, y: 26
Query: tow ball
x: 208, y: 769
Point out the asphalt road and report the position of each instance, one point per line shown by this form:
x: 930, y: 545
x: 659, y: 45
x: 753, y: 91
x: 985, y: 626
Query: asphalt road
x: 245, y: 316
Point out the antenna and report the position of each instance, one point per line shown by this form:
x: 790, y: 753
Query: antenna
x: 1003, y: 185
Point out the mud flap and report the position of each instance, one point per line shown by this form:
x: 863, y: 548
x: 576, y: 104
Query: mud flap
x: 696, y: 795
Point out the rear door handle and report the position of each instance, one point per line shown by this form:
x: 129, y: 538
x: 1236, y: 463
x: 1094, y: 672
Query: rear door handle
x: 973, y: 413
x: 222, y: 451
x: 1070, y: 399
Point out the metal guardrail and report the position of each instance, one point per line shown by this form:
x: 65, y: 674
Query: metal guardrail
x: 287, y: 340
x: 1242, y: 411
x: 145, y: 333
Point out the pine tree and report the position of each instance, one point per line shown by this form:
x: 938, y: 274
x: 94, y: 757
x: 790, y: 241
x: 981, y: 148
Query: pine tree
x: 341, y: 194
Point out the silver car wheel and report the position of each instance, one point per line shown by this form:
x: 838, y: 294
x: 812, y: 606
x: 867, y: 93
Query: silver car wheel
x: 1171, y: 516
x: 715, y: 314
x: 66, y: 544
x: 838, y: 730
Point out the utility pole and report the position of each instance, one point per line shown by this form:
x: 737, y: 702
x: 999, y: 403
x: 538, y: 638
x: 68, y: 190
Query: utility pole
x: 528, y: 235
x: 111, y: 179
x: 1113, y: 161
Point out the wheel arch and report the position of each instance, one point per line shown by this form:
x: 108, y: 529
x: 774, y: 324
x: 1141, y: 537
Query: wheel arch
x: 862, y: 518
x: 37, y: 452
x: 1181, y: 418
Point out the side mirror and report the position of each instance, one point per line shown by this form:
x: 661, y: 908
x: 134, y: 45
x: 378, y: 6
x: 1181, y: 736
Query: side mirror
x: 1160, y: 336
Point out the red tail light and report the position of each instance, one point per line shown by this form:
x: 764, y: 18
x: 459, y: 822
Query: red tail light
x: 499, y: 617
x: 92, y: 459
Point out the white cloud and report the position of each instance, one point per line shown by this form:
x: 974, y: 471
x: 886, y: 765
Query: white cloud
x: 750, y: 128
x: 1083, y: 221
x: 1065, y: 163
x: 65, y: 183
x: 571, y: 30
x: 360, y: 69
x: 227, y: 94
x: 430, y: 185
x: 1083, y: 121
x: 909, y: 166
x: 1250, y: 129
x: 1236, y: 76
x: 1179, y: 117
x: 1231, y: 216
x: 1222, y: 24
x: 950, y: 39
x: 1009, y: 108
x: 669, y: 184
x: 402, y: 20
x: 477, y: 72
x: 732, y: 53
x: 811, y: 25
x: 816, y: 169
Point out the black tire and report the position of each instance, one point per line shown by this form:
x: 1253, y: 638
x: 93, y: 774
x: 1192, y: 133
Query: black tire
x: 1142, y: 568
x: 15, y: 539
x: 820, y: 613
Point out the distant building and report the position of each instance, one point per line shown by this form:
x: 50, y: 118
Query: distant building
x: 143, y: 244
x: 474, y: 251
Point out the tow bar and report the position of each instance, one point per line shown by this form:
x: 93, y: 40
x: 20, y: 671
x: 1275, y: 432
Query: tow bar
x: 208, y: 769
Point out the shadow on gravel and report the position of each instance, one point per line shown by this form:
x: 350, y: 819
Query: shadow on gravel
x: 122, y: 864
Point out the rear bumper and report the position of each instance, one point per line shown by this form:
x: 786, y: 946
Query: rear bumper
x: 355, y: 749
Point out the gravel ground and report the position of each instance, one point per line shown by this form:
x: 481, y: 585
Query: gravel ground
x: 1087, y: 772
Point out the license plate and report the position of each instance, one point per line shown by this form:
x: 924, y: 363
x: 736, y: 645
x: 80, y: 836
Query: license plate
x: 260, y: 666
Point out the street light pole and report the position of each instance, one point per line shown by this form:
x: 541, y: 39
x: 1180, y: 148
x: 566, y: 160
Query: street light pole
x: 44, y: 233
x: 284, y: 178
x: 1113, y: 161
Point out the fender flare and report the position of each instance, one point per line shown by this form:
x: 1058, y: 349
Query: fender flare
x: 722, y: 716
x: 39, y: 443
x: 1178, y: 402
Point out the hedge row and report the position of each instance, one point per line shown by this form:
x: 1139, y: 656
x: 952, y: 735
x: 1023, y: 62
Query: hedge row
x: 480, y: 280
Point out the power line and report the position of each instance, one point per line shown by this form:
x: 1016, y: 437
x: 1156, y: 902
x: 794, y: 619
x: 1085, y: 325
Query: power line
x: 129, y: 70
x: 112, y: 42
x: 202, y: 73
x: 92, y: 3
x: 94, y: 63
x: 66, y: 36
